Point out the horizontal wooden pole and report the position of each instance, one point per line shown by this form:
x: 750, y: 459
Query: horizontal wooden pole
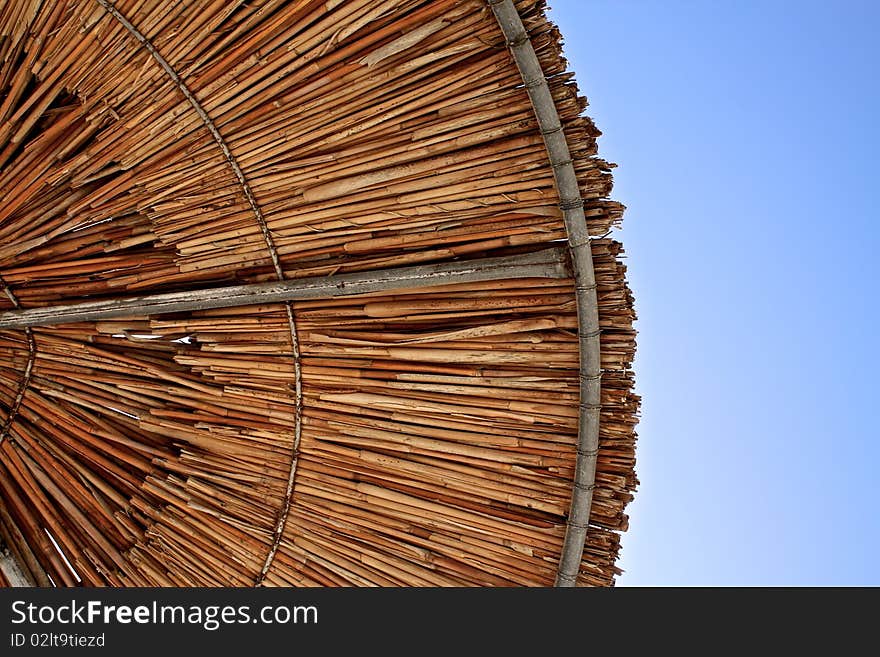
x: 548, y: 263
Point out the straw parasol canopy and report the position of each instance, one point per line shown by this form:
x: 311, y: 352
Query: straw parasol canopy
x: 306, y: 293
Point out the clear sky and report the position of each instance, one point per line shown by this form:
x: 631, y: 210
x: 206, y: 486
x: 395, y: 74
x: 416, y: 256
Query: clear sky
x: 746, y: 135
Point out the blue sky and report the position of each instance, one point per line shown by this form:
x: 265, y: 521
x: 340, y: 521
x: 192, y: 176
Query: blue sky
x: 747, y: 142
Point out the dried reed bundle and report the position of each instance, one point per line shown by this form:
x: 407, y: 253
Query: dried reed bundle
x: 407, y: 437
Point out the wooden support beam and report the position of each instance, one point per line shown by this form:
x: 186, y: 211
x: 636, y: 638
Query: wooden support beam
x: 548, y: 263
x: 12, y: 570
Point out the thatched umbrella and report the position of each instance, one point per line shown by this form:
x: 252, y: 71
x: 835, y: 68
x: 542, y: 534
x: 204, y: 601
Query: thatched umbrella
x: 306, y: 293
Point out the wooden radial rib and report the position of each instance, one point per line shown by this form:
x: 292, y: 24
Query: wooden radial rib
x: 385, y: 172
x: 547, y: 263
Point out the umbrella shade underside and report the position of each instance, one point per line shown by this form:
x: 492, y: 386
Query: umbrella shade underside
x: 411, y: 435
